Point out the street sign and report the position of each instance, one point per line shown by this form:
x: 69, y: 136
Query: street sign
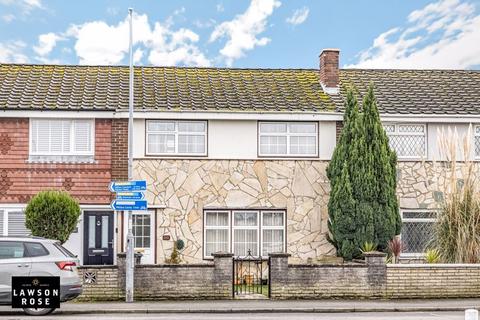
x: 130, y: 196
x: 124, y: 205
x: 128, y: 186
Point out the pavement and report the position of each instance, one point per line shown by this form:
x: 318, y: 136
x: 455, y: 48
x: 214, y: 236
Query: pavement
x: 261, y: 306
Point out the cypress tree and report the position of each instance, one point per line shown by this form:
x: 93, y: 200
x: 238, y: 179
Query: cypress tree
x: 363, y: 204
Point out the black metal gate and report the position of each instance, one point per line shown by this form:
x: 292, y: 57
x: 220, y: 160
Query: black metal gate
x: 251, y: 277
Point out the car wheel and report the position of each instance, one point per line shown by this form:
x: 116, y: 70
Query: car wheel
x: 38, y: 311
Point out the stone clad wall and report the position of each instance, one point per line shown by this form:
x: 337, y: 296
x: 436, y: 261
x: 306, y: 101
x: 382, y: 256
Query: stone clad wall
x: 187, y: 187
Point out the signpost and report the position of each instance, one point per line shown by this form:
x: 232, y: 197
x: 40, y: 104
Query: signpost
x: 128, y: 186
x: 129, y: 205
x: 130, y: 195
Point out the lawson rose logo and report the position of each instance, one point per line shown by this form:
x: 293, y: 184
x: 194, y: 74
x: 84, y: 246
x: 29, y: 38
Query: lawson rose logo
x: 35, y: 292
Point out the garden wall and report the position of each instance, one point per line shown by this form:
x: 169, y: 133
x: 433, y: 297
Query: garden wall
x: 371, y: 279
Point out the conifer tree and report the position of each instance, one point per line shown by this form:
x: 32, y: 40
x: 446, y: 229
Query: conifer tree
x: 363, y: 205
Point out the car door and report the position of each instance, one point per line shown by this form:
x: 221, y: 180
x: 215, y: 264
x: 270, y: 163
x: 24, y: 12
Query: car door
x: 13, y: 262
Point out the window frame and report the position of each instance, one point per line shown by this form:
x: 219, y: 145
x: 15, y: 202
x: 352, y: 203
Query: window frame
x: 397, y: 133
x: 288, y: 135
x: 205, y: 228
x: 91, y: 152
x: 416, y: 220
x: 5, y: 211
x: 475, y: 135
x: 282, y: 227
x: 149, y: 213
x: 231, y: 228
x: 256, y: 227
x: 176, y: 134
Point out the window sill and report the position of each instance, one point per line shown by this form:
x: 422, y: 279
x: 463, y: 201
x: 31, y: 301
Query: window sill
x: 62, y: 159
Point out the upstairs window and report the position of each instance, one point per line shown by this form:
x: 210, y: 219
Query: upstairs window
x: 291, y: 139
x: 61, y: 137
x: 477, y: 141
x: 408, y: 140
x: 167, y: 137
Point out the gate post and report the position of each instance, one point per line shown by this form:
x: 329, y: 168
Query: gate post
x: 278, y: 273
x: 223, y: 274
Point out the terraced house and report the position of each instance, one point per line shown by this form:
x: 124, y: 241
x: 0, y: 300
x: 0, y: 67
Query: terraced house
x: 234, y: 159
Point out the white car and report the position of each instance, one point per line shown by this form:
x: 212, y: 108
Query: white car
x: 33, y: 256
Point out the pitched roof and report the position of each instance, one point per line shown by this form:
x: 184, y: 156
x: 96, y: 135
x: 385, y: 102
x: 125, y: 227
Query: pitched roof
x: 445, y: 92
x: 105, y: 88
x: 47, y: 87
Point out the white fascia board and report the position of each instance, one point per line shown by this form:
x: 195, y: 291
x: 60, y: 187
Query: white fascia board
x: 207, y: 115
x: 418, y: 118
x: 83, y: 114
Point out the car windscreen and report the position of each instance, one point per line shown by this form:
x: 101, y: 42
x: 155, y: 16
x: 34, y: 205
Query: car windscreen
x: 64, y: 250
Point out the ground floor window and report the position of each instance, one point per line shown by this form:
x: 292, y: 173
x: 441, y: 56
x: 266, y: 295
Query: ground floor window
x: 258, y: 232
x: 12, y: 222
x: 417, y: 230
x: 141, y: 229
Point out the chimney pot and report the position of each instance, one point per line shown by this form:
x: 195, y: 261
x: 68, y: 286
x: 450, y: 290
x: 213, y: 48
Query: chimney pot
x: 329, y: 71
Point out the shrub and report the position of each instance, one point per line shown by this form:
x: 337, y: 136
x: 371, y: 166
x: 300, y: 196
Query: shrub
x: 456, y: 233
x: 368, y: 247
x: 363, y: 205
x: 175, y: 255
x: 432, y: 256
x: 52, y: 214
x: 395, y: 247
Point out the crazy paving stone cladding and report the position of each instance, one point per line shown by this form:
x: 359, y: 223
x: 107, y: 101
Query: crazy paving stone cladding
x: 21, y: 179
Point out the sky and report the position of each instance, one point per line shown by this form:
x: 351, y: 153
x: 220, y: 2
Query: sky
x: 407, y: 34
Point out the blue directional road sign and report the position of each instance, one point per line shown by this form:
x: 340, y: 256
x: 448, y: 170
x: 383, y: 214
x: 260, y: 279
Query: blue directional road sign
x: 128, y: 186
x: 136, y: 195
x: 125, y: 205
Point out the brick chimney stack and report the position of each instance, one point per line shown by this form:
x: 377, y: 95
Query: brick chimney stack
x: 329, y: 72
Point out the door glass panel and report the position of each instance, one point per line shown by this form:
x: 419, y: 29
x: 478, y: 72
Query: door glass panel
x: 104, y: 231
x: 91, y: 231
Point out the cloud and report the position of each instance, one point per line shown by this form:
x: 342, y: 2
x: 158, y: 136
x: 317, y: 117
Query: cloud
x: 220, y: 7
x: 243, y: 30
x: 46, y: 43
x: 12, y: 52
x: 442, y: 35
x: 26, y: 5
x: 7, y: 18
x: 299, y: 16
x: 97, y: 42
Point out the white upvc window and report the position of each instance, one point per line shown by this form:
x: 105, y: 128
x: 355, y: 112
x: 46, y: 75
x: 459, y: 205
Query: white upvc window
x: 244, y: 232
x: 141, y: 224
x: 273, y: 232
x: 170, y: 137
x: 216, y: 225
x: 288, y: 139
x: 62, y: 137
x: 477, y: 141
x: 417, y: 230
x: 12, y: 222
x: 408, y: 140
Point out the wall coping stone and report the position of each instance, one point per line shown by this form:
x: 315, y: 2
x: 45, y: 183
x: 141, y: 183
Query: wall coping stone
x: 433, y: 265
x: 83, y: 267
x: 279, y: 255
x: 222, y: 254
x: 346, y: 265
x: 195, y: 265
x: 374, y: 254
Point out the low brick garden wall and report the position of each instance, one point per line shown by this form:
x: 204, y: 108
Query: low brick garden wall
x: 160, y: 282
x: 433, y: 281
x: 372, y: 279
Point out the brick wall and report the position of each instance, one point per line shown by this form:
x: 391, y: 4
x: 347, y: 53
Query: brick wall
x: 161, y: 282
x: 433, y: 281
x: 326, y: 281
x: 102, y: 283
x: 20, y: 179
x: 120, y: 149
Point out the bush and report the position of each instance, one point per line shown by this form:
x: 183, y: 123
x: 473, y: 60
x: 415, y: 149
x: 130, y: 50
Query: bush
x: 363, y: 204
x: 432, y: 256
x: 457, y: 230
x: 52, y: 214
